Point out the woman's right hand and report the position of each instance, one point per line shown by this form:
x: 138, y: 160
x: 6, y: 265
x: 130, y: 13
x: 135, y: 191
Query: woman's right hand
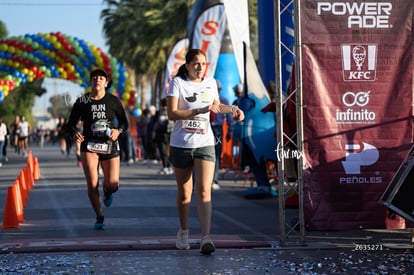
x: 78, y: 137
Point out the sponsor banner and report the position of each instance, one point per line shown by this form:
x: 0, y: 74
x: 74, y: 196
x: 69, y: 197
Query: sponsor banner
x: 175, y: 60
x: 358, y: 95
x: 208, y: 30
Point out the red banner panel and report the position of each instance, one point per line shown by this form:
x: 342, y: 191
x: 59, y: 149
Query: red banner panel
x: 357, y: 82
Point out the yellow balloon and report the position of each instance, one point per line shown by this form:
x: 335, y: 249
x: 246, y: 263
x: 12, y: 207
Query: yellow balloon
x: 125, y: 97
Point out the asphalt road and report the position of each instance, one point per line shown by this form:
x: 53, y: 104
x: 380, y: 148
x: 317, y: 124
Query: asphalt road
x: 57, y: 235
x: 143, y: 212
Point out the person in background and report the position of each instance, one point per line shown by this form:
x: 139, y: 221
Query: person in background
x: 217, y: 121
x: 151, y: 147
x: 142, y: 125
x: 3, y: 135
x: 190, y: 99
x: 41, y: 133
x: 98, y: 110
x: 6, y: 143
x: 60, y: 133
x: 16, y: 134
x: 131, y: 153
x: 238, y: 127
x: 162, y: 131
x: 24, y: 127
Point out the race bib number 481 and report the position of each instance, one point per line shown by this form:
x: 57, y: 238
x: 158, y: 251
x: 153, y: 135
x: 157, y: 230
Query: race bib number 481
x: 100, y: 148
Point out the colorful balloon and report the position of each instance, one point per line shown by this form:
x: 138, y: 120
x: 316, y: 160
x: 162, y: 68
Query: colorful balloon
x: 30, y: 57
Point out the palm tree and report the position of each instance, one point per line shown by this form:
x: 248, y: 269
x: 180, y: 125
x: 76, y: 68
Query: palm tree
x: 142, y: 33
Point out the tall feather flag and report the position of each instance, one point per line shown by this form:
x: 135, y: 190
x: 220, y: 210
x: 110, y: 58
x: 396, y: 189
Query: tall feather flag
x: 175, y: 60
x: 205, y: 29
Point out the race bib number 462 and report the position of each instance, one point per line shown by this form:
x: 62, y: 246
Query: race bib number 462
x: 198, y: 126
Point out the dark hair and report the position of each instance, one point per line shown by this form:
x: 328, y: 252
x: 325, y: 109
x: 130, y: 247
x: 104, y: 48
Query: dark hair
x: 101, y: 72
x: 190, y: 55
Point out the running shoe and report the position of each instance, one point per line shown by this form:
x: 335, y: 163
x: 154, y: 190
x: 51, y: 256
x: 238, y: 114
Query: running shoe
x: 108, y: 199
x: 99, y: 224
x: 182, y: 239
x: 207, y: 246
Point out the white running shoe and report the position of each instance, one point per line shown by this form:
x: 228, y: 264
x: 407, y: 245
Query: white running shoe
x: 182, y: 239
x: 207, y: 246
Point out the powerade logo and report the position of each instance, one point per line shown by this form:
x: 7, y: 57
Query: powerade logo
x: 356, y: 112
x: 355, y: 158
x: 359, y: 62
x: 365, y: 15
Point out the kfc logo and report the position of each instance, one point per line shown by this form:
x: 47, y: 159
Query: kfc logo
x: 359, y: 62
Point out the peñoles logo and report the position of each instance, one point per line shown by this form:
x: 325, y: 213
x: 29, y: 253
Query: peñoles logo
x: 356, y: 157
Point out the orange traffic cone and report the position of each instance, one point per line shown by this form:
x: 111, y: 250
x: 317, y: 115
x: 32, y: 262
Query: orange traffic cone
x: 10, y: 219
x: 30, y: 161
x: 36, y: 172
x: 19, y: 202
x: 28, y: 176
x: 23, y: 190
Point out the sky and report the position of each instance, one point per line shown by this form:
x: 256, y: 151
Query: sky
x: 77, y: 18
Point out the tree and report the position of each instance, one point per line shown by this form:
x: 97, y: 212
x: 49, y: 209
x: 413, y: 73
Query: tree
x: 3, y: 30
x: 141, y: 34
x: 21, y: 100
x: 58, y: 105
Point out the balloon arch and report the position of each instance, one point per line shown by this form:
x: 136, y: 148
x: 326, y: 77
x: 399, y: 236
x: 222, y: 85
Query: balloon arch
x: 35, y: 56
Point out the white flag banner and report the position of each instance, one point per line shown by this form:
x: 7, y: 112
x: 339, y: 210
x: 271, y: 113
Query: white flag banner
x: 175, y: 60
x: 238, y: 24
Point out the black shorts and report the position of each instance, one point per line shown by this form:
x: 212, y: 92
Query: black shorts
x: 183, y: 157
x: 114, y: 151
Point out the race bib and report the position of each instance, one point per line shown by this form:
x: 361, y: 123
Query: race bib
x: 99, y: 147
x: 197, y: 126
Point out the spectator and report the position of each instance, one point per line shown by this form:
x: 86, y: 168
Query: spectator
x: 24, y: 127
x: 3, y: 135
x: 162, y: 131
x: 217, y: 121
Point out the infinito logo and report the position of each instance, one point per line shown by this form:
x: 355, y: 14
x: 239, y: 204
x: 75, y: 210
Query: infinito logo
x: 359, y: 62
x: 351, y: 99
x: 353, y: 114
x: 365, y: 15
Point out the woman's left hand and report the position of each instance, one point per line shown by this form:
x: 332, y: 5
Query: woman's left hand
x: 114, y: 134
x: 238, y: 114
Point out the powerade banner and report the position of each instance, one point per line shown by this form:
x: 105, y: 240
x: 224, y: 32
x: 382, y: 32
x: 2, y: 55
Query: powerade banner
x: 358, y: 104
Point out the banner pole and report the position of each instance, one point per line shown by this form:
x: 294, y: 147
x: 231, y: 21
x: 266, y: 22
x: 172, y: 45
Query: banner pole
x: 279, y: 122
x: 299, y: 117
